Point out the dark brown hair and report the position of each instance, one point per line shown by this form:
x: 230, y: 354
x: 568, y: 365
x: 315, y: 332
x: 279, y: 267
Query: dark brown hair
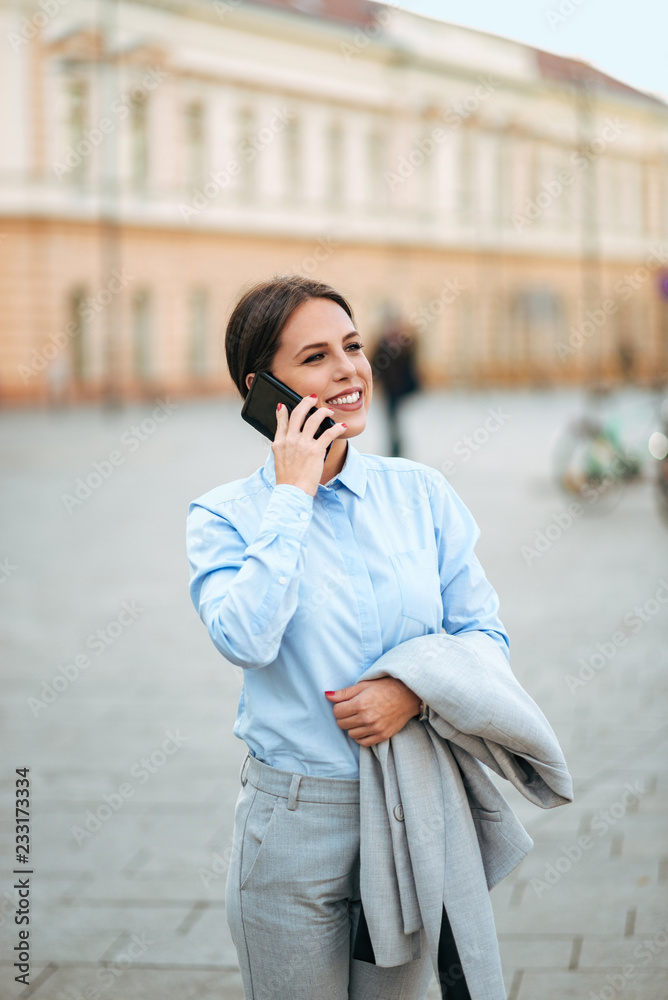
x: 253, y: 333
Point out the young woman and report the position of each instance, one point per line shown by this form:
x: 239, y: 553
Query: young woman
x: 305, y: 573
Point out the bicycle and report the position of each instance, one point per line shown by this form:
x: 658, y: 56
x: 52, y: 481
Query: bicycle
x: 599, y: 453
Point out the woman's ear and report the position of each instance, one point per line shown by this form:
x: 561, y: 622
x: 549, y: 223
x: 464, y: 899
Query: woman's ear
x: 249, y: 379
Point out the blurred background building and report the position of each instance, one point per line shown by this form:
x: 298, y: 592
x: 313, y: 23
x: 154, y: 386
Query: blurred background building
x: 157, y: 155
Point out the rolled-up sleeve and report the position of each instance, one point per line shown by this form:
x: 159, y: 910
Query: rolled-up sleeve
x: 469, y: 600
x: 246, y: 593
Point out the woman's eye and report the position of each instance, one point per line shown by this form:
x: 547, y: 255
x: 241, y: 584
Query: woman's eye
x: 357, y: 346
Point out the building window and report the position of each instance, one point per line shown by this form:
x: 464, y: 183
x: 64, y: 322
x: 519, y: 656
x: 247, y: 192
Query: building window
x: 139, y: 151
x: 141, y: 333
x: 537, y: 321
x: 465, y: 353
x: 293, y: 158
x: 566, y: 195
x: 335, y: 162
x: 631, y: 196
x: 377, y: 158
x: 79, y: 340
x: 78, y: 120
x: 195, y: 144
x: 198, y: 339
x: 503, y: 181
x: 466, y: 167
x: 246, y: 132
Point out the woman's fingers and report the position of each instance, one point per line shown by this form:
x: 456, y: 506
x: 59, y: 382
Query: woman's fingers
x: 311, y: 424
x: 298, y: 454
x: 293, y: 425
x: 281, y: 420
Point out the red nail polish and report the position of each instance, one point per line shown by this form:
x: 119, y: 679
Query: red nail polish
x: 278, y: 406
x: 344, y: 425
x: 313, y: 395
x: 330, y: 692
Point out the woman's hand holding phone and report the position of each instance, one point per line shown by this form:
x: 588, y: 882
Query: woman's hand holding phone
x: 298, y: 456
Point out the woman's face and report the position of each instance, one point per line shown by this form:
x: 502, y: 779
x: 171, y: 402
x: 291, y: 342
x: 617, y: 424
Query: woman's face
x: 320, y: 352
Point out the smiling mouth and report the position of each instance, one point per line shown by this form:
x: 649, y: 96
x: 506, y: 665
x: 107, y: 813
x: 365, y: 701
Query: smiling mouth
x: 345, y: 400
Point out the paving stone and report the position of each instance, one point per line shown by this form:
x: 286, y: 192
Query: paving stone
x: 581, y: 986
x: 535, y: 951
x: 169, y: 983
x: 643, y: 951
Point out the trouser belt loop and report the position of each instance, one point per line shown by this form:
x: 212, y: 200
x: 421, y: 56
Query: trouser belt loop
x: 294, y: 791
x: 244, y: 768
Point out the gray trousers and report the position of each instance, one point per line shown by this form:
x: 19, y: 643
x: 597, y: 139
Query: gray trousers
x: 292, y: 893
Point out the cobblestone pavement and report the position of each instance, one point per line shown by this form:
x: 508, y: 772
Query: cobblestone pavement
x: 119, y: 704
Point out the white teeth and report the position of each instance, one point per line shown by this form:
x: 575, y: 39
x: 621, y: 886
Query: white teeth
x: 352, y: 398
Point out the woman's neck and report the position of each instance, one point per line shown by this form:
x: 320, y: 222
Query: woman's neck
x: 335, y: 460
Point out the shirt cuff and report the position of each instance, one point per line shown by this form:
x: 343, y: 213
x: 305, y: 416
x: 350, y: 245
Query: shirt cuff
x: 288, y: 512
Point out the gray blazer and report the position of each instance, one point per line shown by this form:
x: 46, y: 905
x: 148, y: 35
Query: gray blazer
x: 435, y: 830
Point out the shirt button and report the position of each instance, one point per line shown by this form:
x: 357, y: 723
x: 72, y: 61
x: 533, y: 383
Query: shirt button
x: 399, y: 813
x: 282, y: 579
x: 303, y: 516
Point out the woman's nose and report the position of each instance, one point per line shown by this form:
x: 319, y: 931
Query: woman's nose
x: 345, y: 365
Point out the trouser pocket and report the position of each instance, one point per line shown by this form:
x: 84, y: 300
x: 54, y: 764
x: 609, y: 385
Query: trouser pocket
x: 256, y: 825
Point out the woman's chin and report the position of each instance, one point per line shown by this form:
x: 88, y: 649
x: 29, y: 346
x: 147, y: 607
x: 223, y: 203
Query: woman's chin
x: 355, y: 426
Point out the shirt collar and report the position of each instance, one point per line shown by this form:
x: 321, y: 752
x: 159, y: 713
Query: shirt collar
x: 352, y: 475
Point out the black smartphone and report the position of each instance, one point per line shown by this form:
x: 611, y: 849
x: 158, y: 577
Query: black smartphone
x: 265, y: 393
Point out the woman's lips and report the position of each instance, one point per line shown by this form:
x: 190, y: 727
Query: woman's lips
x: 348, y: 406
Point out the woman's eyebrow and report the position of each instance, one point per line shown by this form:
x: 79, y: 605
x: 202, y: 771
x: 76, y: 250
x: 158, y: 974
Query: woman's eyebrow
x: 309, y: 347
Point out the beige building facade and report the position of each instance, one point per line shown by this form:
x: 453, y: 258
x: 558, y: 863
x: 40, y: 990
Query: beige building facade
x: 512, y: 205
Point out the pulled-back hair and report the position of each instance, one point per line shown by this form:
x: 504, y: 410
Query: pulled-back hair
x: 253, y: 332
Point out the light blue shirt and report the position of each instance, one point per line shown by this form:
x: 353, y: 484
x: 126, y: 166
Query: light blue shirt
x: 305, y: 593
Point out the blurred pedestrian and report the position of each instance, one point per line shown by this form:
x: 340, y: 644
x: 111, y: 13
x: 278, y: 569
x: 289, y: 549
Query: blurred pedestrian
x: 626, y: 356
x: 394, y: 366
x: 58, y: 380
